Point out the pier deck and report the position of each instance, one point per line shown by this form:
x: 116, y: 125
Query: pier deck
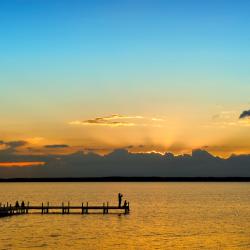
x: 105, y: 208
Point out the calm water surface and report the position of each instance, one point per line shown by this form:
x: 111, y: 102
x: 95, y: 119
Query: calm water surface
x: 163, y: 216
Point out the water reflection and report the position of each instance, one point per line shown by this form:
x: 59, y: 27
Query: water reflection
x: 163, y: 215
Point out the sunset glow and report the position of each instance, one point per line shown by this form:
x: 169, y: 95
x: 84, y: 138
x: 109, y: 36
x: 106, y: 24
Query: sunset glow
x: 20, y: 164
x: 165, y: 76
x: 125, y: 124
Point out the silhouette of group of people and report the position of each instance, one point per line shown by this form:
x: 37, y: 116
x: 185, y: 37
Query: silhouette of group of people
x: 20, y: 206
x: 120, y: 200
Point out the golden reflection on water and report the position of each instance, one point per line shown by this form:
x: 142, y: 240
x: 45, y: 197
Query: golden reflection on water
x: 163, y: 216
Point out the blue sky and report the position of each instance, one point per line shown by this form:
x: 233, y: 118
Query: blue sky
x: 69, y: 60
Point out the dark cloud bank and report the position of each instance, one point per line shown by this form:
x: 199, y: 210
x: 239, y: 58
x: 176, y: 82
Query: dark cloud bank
x: 245, y: 114
x: 122, y: 163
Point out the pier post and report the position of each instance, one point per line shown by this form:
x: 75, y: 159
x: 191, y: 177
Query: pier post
x: 87, y: 209
x: 62, y: 208
x: 82, y: 208
x: 68, y: 206
x: 42, y: 207
x: 27, y: 207
x: 47, y: 208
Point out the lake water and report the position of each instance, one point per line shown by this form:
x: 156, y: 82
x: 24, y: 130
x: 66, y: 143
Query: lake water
x: 163, y: 216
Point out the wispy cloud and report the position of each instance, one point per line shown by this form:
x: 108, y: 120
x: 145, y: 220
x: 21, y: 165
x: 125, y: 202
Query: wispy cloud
x: 230, y: 119
x: 35, y: 140
x: 157, y: 119
x: 244, y: 123
x: 225, y: 115
x: 57, y: 146
x: 101, y: 123
x: 116, y: 120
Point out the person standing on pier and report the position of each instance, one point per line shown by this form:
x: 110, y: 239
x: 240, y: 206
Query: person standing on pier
x: 22, y: 206
x: 17, y: 204
x: 120, y: 199
x: 125, y: 203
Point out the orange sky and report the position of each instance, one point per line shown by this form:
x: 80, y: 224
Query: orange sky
x: 20, y: 164
x: 147, y: 78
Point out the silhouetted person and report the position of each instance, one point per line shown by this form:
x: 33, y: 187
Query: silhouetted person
x: 125, y: 203
x: 17, y: 204
x: 120, y: 199
x: 22, y: 206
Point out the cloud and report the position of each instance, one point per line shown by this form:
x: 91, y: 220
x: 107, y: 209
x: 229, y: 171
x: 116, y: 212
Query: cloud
x: 120, y: 162
x: 157, y: 119
x: 16, y: 144
x: 57, y: 146
x: 11, y: 145
x: 227, y: 119
x: 102, y: 123
x: 110, y: 121
x: 117, y: 116
x: 245, y: 114
x: 224, y: 115
x: 115, y: 120
x: 35, y: 140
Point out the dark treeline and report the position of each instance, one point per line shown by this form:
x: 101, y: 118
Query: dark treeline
x: 131, y: 179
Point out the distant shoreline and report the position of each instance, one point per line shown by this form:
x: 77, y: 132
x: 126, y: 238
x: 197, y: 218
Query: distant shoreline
x: 130, y: 179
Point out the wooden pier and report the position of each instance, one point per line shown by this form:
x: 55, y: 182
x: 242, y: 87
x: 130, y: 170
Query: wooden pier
x: 46, y: 208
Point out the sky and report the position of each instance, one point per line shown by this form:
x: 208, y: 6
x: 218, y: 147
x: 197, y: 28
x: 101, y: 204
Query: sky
x: 144, y: 75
